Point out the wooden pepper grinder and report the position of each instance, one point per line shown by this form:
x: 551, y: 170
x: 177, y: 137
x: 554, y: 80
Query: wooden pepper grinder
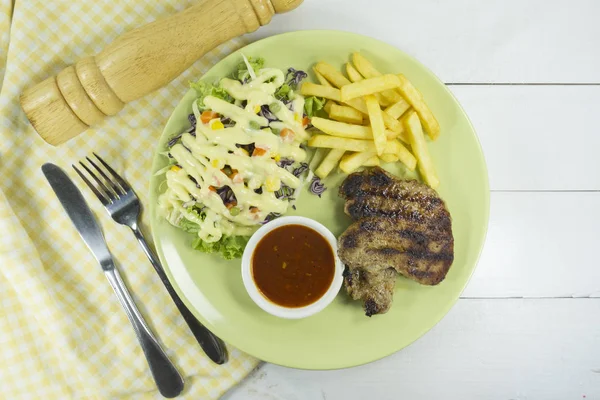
x: 137, y: 63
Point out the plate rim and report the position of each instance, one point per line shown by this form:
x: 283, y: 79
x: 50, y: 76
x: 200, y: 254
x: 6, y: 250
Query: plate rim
x: 444, y: 310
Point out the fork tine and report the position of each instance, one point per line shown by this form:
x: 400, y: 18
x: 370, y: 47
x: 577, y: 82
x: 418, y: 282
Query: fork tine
x: 99, y: 195
x: 116, y: 188
x: 121, y: 181
x: 101, y: 186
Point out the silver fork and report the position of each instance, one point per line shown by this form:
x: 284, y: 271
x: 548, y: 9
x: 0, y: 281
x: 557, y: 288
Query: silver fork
x: 123, y: 205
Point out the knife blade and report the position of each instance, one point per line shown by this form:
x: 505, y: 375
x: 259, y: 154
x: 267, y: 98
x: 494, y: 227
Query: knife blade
x: 79, y: 212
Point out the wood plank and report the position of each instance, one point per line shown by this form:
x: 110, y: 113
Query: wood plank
x: 483, y: 349
x: 537, y: 137
x: 482, y: 41
x: 540, y: 245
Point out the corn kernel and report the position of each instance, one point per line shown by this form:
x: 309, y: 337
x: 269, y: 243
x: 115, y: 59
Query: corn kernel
x: 277, y: 157
x: 256, y: 109
x: 272, y: 184
x: 297, y: 118
x: 175, y: 168
x: 217, y: 125
x: 215, y: 163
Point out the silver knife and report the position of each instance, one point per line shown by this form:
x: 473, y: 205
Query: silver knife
x: 168, y: 380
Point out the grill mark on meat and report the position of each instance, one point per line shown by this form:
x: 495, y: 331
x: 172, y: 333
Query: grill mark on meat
x: 371, y: 307
x: 351, y: 185
x: 387, y: 251
x: 358, y: 209
x: 350, y: 241
x: 347, y: 275
x: 429, y: 256
x: 416, y: 208
x: 379, y: 179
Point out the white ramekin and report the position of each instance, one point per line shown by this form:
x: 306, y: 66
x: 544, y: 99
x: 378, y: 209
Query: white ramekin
x: 266, y: 304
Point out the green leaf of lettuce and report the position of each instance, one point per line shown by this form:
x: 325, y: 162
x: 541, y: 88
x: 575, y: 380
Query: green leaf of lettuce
x: 204, y: 89
x: 229, y: 247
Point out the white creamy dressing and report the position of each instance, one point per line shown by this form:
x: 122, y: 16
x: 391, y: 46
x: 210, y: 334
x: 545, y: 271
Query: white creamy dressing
x: 204, y: 156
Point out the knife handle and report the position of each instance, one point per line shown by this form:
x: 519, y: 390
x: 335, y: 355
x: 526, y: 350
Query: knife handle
x: 166, y: 377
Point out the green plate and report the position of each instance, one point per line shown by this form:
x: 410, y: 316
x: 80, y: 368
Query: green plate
x: 341, y: 335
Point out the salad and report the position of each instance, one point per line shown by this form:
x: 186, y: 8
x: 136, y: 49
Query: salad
x: 243, y: 161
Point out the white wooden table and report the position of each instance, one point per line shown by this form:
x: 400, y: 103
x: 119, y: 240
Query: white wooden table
x: 528, y: 325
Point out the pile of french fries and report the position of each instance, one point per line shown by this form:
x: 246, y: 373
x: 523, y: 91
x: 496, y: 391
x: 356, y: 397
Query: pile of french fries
x: 373, y: 117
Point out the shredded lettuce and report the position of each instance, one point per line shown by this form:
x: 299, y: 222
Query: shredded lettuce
x: 284, y: 92
x: 241, y: 72
x: 229, y: 247
x: 312, y: 105
x: 204, y: 89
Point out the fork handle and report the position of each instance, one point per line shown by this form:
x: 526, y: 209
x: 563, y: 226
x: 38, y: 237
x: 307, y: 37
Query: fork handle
x: 212, y: 345
x: 166, y: 377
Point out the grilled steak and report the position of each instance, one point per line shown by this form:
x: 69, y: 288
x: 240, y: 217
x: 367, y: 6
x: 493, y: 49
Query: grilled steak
x: 375, y: 289
x: 401, y: 226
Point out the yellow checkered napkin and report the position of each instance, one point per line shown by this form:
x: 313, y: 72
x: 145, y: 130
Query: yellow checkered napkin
x: 63, y: 333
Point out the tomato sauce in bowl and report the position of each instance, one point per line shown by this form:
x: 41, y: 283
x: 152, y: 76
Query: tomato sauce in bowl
x: 293, y: 266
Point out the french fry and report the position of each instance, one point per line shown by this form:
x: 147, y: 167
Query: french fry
x: 334, y: 142
x: 367, y: 70
x: 395, y: 126
x: 364, y: 66
x: 372, y: 162
x: 377, y: 125
x: 350, y: 131
x: 321, y: 78
x: 345, y: 114
x: 392, y: 147
x: 396, y: 148
x: 311, y: 89
x: 398, y: 108
x: 332, y: 74
x: 415, y: 99
x: 391, y: 123
x: 391, y: 135
x: 329, y: 162
x: 419, y: 146
x: 353, y: 74
x: 369, y: 86
x: 358, y: 104
x: 351, y: 162
x: 406, y: 157
x: 328, y: 105
x: 389, y: 158
x: 317, y: 158
x: 341, y: 129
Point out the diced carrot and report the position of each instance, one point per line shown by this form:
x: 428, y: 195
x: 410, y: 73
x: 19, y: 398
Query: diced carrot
x: 212, y: 189
x: 305, y: 121
x: 287, y: 135
x: 258, y: 152
x: 231, y: 205
x: 254, y: 210
x: 207, y: 116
